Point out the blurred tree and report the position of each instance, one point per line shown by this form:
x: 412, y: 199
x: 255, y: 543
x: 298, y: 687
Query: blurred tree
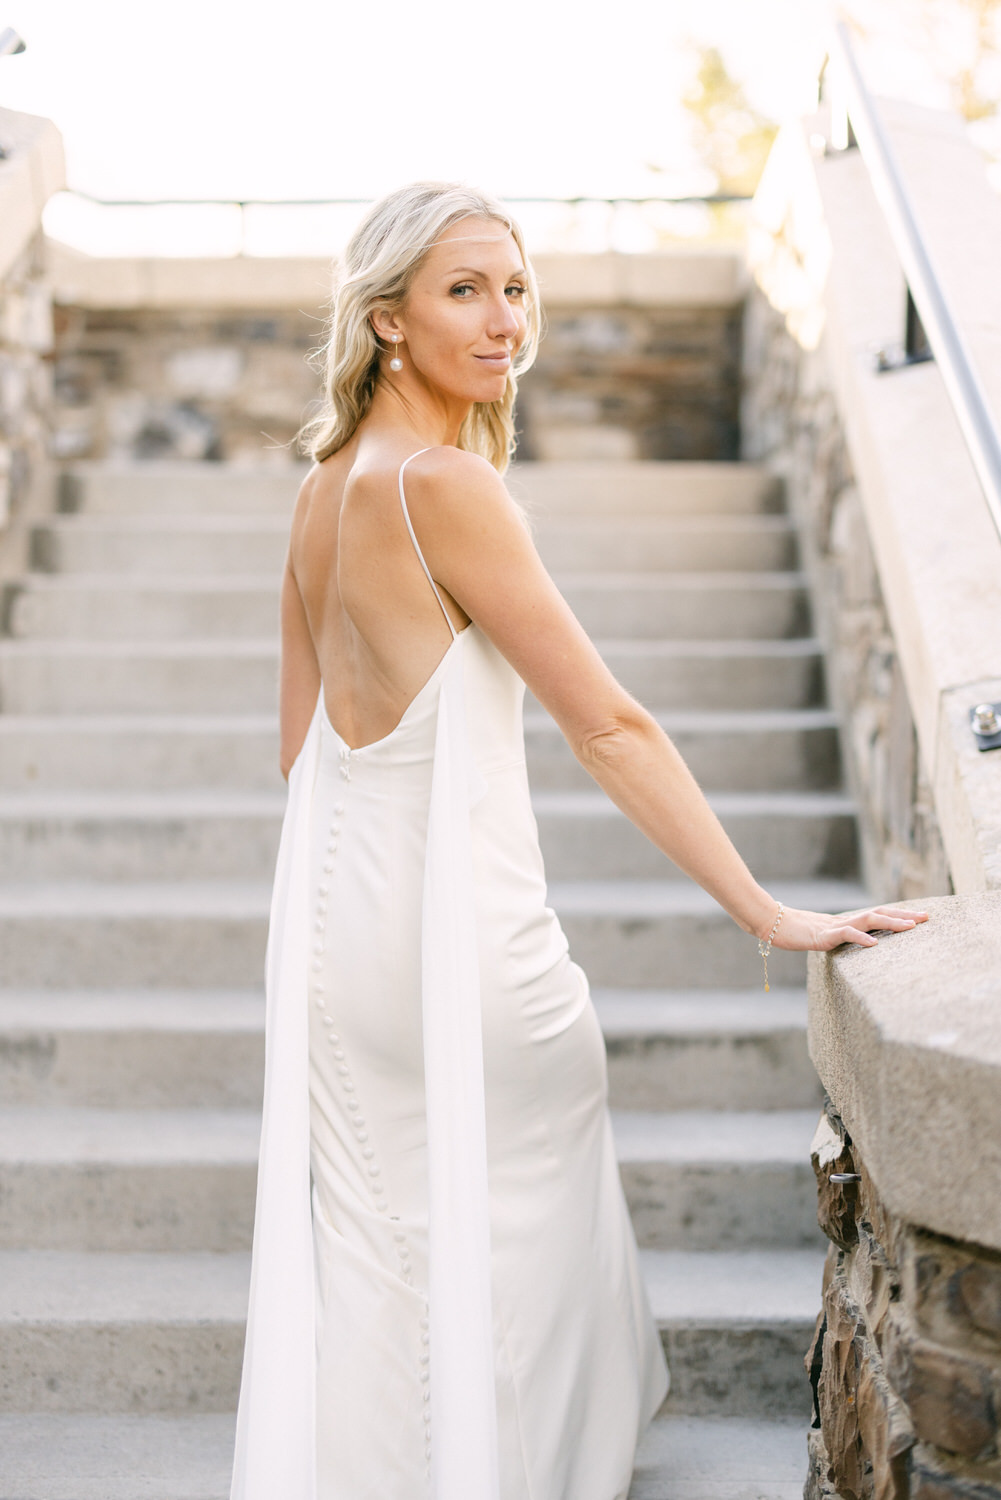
x: 731, y: 137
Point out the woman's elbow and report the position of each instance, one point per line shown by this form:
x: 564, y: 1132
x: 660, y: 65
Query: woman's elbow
x: 610, y: 744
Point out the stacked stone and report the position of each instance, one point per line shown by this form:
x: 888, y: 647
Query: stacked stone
x: 25, y: 376
x: 905, y: 1362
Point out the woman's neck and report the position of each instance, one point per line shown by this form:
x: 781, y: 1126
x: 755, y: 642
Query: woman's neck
x: 430, y: 417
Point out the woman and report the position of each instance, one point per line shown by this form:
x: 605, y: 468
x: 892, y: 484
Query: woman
x: 476, y: 1328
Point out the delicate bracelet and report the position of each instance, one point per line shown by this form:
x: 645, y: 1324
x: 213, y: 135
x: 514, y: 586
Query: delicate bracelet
x: 765, y: 944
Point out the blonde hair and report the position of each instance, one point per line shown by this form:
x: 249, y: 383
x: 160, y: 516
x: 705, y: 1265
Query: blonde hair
x: 377, y: 270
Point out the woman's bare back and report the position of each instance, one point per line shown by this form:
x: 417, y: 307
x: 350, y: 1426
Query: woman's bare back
x: 369, y: 626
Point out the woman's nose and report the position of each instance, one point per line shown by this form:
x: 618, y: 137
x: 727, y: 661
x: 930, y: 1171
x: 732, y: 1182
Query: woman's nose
x: 503, y: 320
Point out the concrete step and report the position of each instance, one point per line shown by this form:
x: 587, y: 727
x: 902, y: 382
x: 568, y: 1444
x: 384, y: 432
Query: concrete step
x: 237, y: 545
x: 176, y: 1180
x: 211, y: 934
x: 793, y: 749
x: 764, y: 750
x: 160, y: 1049
x: 109, y: 1333
x: 735, y: 1326
x: 589, y: 488
x: 152, y: 836
x: 66, y: 1456
x: 672, y: 935
x: 241, y: 675
x: 720, y: 1458
x: 133, y: 751
x: 218, y: 835
x: 128, y: 1180
x: 148, y: 1333
x: 78, y: 1457
x: 805, y: 834
x: 719, y: 1179
x: 106, y: 606
x: 132, y: 1049
x: 706, y: 1049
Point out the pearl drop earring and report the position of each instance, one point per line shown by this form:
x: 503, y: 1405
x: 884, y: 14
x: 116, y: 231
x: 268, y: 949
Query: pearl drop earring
x: 396, y: 362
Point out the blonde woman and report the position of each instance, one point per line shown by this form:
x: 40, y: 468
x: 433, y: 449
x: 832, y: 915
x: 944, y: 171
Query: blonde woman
x: 445, y: 1296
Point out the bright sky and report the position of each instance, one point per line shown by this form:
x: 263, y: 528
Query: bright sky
x: 324, y: 98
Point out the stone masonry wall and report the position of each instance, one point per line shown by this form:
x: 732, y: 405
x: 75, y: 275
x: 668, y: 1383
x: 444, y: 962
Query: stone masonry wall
x: 25, y: 378
x: 790, y: 419
x: 610, y: 382
x: 905, y: 1362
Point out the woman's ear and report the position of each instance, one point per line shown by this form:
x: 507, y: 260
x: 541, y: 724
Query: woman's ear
x: 384, y: 322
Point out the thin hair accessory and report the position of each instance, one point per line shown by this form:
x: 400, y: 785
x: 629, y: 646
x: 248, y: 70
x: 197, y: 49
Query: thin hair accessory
x: 765, y: 944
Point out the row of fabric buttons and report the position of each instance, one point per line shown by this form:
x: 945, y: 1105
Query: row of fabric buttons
x: 352, y: 1105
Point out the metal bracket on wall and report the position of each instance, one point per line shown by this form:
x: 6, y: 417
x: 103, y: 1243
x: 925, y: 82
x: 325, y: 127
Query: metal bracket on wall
x: 985, y: 721
x: 916, y: 351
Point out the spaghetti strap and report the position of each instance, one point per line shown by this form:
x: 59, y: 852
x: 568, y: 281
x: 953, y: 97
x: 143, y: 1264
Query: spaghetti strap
x: 417, y: 547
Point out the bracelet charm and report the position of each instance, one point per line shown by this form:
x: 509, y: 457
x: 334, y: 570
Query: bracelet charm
x: 765, y: 944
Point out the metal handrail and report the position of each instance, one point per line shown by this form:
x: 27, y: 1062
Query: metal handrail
x: 959, y: 375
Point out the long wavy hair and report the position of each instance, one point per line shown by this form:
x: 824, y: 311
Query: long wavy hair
x: 377, y: 270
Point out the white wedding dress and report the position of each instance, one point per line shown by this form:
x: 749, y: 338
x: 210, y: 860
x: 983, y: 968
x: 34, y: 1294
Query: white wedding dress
x: 445, y: 1297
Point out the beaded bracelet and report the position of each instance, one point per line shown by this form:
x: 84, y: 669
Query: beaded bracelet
x: 765, y: 944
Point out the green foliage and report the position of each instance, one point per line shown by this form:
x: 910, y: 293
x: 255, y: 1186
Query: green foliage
x: 732, y: 138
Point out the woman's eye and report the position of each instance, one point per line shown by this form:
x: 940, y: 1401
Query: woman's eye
x: 457, y: 291
x: 519, y: 291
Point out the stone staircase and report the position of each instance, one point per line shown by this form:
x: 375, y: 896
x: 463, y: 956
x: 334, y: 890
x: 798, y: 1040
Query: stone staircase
x: 139, y: 810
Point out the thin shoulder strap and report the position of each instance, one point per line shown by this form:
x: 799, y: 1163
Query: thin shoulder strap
x: 417, y: 549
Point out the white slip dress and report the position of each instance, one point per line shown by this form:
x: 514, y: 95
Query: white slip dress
x: 445, y: 1299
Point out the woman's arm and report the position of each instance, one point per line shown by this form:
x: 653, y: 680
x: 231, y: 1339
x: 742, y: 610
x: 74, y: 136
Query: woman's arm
x: 478, y: 547
x: 300, y: 672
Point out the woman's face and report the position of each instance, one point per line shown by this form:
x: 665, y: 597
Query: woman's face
x: 464, y: 318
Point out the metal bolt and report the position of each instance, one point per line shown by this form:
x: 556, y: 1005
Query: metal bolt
x: 985, y: 720
x: 845, y: 1177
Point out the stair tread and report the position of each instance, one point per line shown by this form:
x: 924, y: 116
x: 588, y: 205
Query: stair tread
x: 71, y: 1456
x: 49, y: 1134
x: 264, y: 647
x: 685, y: 1287
x: 137, y: 898
x: 147, y: 1010
x: 720, y: 1458
x: 623, y: 1013
x: 654, y: 898
x: 767, y: 1286
x: 98, y: 1286
x: 654, y: 1013
x: 80, y: 1134
x: 179, y: 802
x: 689, y: 1136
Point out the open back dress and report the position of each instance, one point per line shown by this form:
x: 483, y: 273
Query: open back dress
x: 445, y: 1299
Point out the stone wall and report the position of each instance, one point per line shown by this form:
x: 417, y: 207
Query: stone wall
x: 791, y: 420
x: 31, y: 171
x: 25, y: 377
x: 905, y: 1363
x: 641, y: 358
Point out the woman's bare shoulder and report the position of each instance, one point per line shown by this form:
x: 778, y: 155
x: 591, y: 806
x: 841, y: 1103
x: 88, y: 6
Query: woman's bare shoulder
x: 450, y: 486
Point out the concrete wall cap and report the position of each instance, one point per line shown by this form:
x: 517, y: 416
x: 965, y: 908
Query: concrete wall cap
x: 32, y: 172
x: 697, y: 276
x: 906, y: 1038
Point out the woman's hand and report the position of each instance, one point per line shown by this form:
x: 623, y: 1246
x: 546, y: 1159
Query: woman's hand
x: 804, y: 930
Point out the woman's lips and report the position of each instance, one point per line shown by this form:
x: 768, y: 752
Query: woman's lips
x: 500, y: 361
